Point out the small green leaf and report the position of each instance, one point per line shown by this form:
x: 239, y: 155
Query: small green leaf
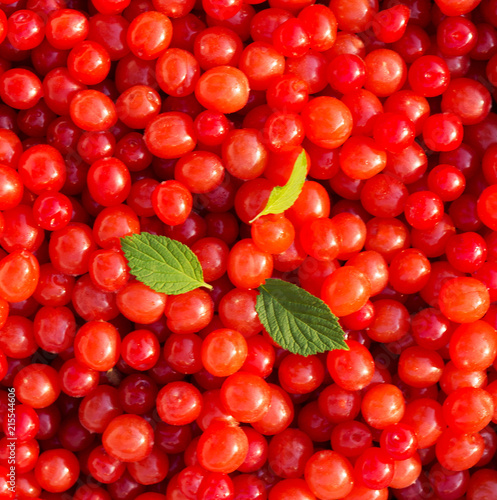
x: 297, y: 320
x: 283, y: 197
x: 165, y: 265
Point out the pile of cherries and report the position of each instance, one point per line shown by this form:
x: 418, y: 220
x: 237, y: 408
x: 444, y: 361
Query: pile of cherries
x: 178, y: 118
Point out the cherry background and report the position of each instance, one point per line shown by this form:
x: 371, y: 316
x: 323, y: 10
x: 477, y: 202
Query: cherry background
x: 178, y: 118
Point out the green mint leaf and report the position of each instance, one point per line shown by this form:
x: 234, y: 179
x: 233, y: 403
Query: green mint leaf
x: 165, y: 265
x: 297, y: 320
x: 283, y: 197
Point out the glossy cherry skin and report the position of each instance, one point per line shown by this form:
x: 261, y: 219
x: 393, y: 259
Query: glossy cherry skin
x: 248, y: 267
x: 179, y: 403
x: 385, y: 72
x: 37, y: 385
x: 375, y: 468
x: 383, y: 405
x: 353, y: 370
x: 54, y: 328
x: 468, y: 409
x: 11, y: 189
x: 450, y: 9
x: 328, y: 123
x: 443, y: 132
x: 20, y: 88
x: 223, y: 352
x: 243, y: 405
x: 99, y: 407
x: 128, y: 438
x: 470, y: 306
x: 54, y: 288
x: 52, y: 211
x: 77, y: 379
x: 244, y: 154
x: 465, y: 335
x: 170, y: 135
x: 150, y: 470
x: 149, y: 34
x: 103, y: 467
x: 108, y: 269
x: 57, y: 470
x: 361, y: 158
x: 19, y: 230
x: 92, y: 303
x: 137, y: 394
x: 42, y: 168
x: 172, y: 202
x: 336, y: 482
x: 177, y: 72
x: 210, y: 86
x: 65, y: 28
x: 97, y: 345
x: 140, y: 349
x: 468, y: 99
x: 457, y: 451
x: 92, y: 110
x: 111, y: 7
x: 17, y: 340
x: 429, y: 76
x: 11, y: 148
x: 485, y: 207
x: 346, y: 300
x: 88, y: 62
x: 222, y: 447
x: 19, y: 275
x: 139, y: 303
x: 109, y: 181
x: 137, y: 105
x: 280, y: 414
x: 70, y: 248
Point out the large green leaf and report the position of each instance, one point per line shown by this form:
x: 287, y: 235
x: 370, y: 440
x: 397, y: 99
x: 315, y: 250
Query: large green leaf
x: 297, y: 320
x: 163, y: 264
